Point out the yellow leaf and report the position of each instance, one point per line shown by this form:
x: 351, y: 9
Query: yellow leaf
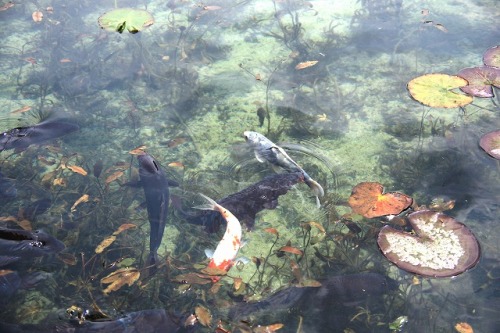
x: 105, y: 243
x: 77, y: 169
x: 83, y: 198
x: 124, y: 227
x: 305, y: 64
x: 203, y: 315
x: 119, y: 278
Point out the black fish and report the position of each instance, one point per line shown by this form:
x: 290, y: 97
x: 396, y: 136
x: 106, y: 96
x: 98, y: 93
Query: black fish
x: 155, y: 185
x: 146, y: 321
x: 247, y: 203
x: 344, y: 290
x: 7, y: 188
x: 36, y: 208
x: 20, y: 138
x: 27, y: 243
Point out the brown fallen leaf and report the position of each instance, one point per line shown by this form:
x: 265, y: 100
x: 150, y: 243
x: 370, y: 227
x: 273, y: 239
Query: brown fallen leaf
x: 305, y: 64
x: 8, y: 5
x: 268, y: 329
x: 67, y: 258
x: 124, y: 227
x: 22, y: 110
x: 464, y: 328
x: 291, y: 249
x: 77, y: 169
x: 65, y: 60
x: 105, y: 243
x: 138, y: 150
x: 203, y: 315
x: 119, y: 278
x: 59, y: 182
x: 272, y: 231
x: 37, y: 16
x: 83, y: 198
x: 176, y: 164
x: 114, y: 176
x: 237, y: 283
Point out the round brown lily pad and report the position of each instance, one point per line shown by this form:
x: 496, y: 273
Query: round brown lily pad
x: 435, y: 90
x: 368, y: 199
x: 440, y: 247
x: 490, y: 142
x: 480, y: 80
x: 492, y: 57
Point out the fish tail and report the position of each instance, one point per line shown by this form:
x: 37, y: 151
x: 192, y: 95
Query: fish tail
x: 151, y: 264
x: 210, y: 205
x: 315, y: 187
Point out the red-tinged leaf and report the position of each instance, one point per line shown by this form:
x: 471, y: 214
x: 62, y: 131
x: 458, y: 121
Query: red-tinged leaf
x: 291, y: 249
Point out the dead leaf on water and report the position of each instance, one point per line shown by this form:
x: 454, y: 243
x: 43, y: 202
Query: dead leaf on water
x: 138, y: 151
x: 464, y: 328
x: 77, y: 169
x: 83, y: 198
x: 203, y: 315
x: 291, y: 249
x: 22, y: 110
x: 124, y: 227
x: 105, y: 243
x: 305, y: 64
x: 120, y: 278
x: 113, y: 177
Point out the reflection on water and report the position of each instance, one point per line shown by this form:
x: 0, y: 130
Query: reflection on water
x: 324, y: 80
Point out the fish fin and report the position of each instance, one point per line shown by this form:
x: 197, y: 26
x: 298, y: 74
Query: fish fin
x: 315, y: 187
x: 210, y: 205
x: 209, y: 253
x: 259, y: 157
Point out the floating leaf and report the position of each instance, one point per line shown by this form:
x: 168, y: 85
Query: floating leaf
x: 305, y: 64
x: 440, y: 246
x: 138, y: 151
x: 492, y: 57
x: 105, y: 243
x: 435, y: 90
x: 114, y: 176
x: 367, y: 199
x: 120, y: 278
x: 203, y: 315
x: 464, y: 328
x: 134, y: 20
x: 83, y: 198
x: 268, y: 329
x: 124, y: 227
x: 22, y: 110
x: 490, y: 142
x: 291, y: 249
x: 480, y: 80
x: 77, y: 169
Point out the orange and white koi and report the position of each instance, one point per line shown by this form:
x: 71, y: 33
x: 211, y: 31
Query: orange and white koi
x: 227, y: 249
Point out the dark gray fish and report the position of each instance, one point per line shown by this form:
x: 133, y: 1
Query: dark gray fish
x: 27, y: 243
x: 155, y: 185
x: 7, y: 188
x: 11, y: 281
x: 36, y: 208
x: 346, y: 290
x: 20, y: 138
x: 248, y: 202
x: 146, y: 321
x: 266, y: 150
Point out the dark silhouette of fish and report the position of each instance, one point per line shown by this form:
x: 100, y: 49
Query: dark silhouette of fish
x: 247, y: 203
x: 346, y: 290
x: 155, y: 185
x: 28, y: 243
x: 20, y: 138
x: 145, y: 321
x: 7, y: 188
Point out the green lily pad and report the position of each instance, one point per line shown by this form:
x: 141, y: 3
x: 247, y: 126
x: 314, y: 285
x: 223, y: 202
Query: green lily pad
x: 134, y: 20
x: 435, y: 90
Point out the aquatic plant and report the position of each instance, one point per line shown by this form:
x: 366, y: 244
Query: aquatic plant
x: 480, y: 80
x: 442, y: 246
x: 436, y: 90
x: 490, y: 142
x: 492, y: 56
x: 132, y: 19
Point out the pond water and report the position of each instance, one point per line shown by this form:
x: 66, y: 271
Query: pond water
x: 325, y: 80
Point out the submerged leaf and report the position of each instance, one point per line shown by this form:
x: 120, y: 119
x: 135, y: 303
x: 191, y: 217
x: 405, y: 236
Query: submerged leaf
x: 105, y: 243
x: 203, y: 315
x: 291, y: 249
x: 83, y: 198
x: 120, y: 278
x: 367, y: 199
x: 435, y: 90
x: 77, y: 169
x: 134, y: 20
x: 305, y: 64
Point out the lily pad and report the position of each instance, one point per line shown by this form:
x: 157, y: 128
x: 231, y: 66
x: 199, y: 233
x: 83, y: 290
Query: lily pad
x: 440, y: 246
x: 490, y: 142
x: 134, y: 20
x: 435, y: 90
x: 492, y: 57
x: 480, y: 80
x: 368, y: 199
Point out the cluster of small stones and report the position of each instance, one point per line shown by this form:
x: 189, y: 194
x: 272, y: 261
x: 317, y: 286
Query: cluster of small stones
x: 442, y: 249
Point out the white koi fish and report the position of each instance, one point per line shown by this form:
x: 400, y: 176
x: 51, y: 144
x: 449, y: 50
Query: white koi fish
x: 266, y: 150
x: 224, y: 256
